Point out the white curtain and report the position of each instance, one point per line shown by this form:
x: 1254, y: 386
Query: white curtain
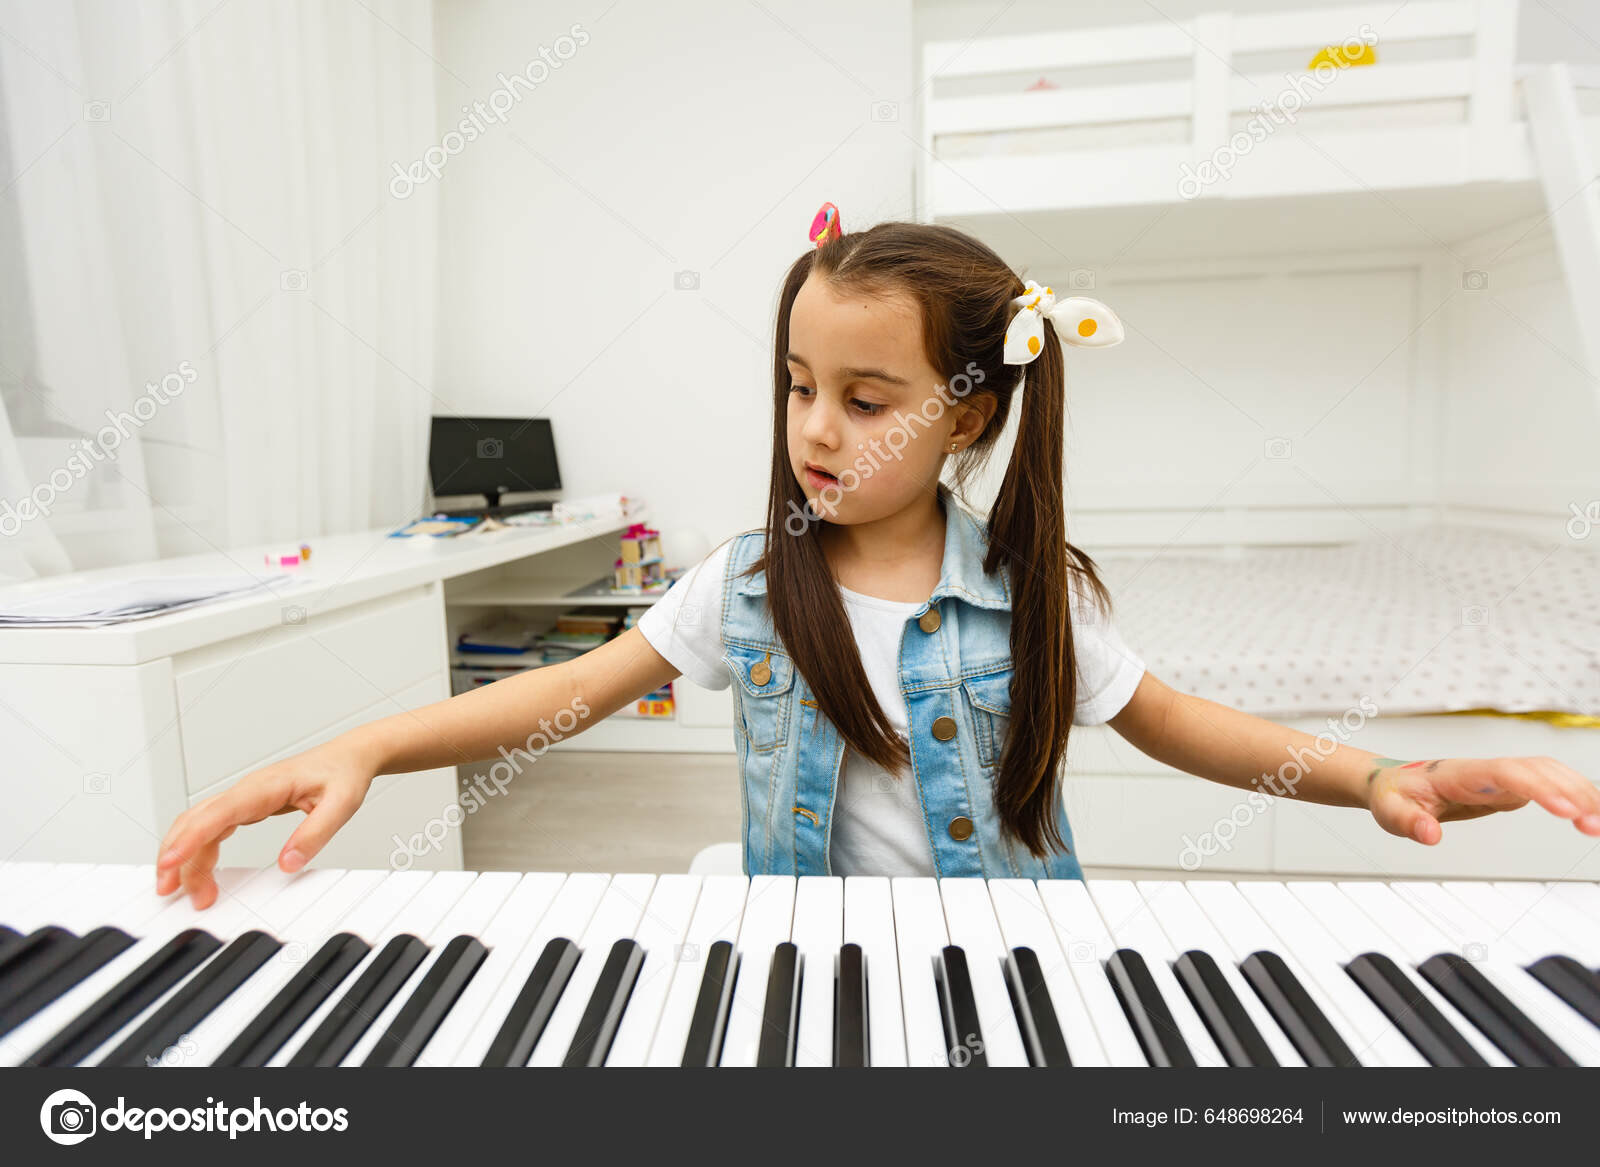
x: 205, y: 276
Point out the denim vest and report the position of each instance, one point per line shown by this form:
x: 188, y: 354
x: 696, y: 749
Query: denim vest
x: 955, y: 674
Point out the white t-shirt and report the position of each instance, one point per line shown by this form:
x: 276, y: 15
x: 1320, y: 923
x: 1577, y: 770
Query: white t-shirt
x: 877, y: 822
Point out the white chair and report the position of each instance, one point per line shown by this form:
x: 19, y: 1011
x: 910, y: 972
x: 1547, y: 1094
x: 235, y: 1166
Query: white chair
x: 718, y: 859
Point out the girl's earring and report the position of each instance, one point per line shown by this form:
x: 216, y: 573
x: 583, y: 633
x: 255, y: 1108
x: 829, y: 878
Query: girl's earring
x: 953, y: 446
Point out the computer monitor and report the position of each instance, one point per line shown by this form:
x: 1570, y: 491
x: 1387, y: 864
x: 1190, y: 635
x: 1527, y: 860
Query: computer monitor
x: 492, y: 456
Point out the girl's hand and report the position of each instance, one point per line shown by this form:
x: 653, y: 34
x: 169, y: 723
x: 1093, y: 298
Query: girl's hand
x: 1411, y: 799
x: 328, y: 783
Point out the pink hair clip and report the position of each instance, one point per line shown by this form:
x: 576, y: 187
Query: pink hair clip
x: 826, y: 225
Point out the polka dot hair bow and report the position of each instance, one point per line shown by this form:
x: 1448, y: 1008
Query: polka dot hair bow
x: 1079, y: 320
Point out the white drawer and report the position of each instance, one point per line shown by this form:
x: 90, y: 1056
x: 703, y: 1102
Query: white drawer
x: 1183, y: 823
x: 251, y: 697
x: 397, y: 805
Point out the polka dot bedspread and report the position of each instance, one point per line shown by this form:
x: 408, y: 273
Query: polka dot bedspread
x: 1433, y: 619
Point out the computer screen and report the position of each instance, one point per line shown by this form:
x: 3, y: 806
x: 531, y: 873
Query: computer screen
x: 492, y: 455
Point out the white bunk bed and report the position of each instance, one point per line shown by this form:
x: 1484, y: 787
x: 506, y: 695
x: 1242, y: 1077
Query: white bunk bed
x: 1444, y: 135
x: 1069, y: 150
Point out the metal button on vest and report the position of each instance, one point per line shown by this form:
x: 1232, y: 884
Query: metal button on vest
x: 961, y: 828
x: 944, y: 728
x: 760, y: 673
x: 929, y: 620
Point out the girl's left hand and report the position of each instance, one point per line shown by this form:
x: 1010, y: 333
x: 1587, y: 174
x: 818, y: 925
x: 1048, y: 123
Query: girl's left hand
x: 1411, y: 799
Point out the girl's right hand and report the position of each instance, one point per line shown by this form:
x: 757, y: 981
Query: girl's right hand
x: 327, y: 782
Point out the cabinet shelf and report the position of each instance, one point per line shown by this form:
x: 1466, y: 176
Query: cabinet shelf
x: 541, y: 593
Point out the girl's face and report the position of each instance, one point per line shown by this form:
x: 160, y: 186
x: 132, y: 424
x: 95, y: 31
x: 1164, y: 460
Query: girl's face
x: 865, y: 406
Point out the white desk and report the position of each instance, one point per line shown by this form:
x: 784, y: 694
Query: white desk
x: 111, y: 732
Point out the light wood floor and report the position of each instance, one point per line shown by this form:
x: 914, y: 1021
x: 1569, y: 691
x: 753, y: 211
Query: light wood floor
x: 615, y: 812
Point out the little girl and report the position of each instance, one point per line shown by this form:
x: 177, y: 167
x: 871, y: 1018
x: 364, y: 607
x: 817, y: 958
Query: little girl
x: 906, y: 673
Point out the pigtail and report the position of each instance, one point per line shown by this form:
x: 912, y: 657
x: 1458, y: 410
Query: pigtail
x: 1027, y: 532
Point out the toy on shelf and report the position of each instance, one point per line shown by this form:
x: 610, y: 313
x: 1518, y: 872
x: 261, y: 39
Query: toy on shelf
x: 640, y: 567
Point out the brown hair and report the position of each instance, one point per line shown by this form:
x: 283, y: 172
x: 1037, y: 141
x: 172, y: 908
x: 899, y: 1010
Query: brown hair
x: 964, y: 291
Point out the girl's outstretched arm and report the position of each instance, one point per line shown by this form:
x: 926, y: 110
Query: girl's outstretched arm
x: 1408, y: 798
x: 328, y: 783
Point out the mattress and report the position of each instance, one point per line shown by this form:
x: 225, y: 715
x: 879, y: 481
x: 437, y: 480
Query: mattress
x: 1440, y: 618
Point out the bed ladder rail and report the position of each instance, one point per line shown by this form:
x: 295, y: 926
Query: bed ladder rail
x: 1567, y: 171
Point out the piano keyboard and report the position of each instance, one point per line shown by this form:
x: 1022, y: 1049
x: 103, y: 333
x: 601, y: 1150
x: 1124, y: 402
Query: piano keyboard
x: 465, y: 969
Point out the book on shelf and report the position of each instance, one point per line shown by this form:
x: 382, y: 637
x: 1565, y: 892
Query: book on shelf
x: 503, y: 636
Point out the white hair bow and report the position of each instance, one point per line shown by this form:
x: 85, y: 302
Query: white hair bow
x: 1079, y: 320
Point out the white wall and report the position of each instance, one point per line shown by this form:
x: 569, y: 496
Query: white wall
x: 698, y: 137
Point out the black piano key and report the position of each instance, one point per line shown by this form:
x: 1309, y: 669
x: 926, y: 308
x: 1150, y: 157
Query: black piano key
x: 1480, y: 1002
x: 1412, y: 1013
x: 420, y: 1016
x: 958, y: 1008
x: 1147, y: 1010
x: 513, y: 1043
x: 125, y: 1000
x: 70, y: 966
x: 780, y: 1020
x: 709, y: 1025
x: 1224, y: 1014
x: 360, y: 1006
x: 850, y: 1043
x: 1570, y: 981
x: 41, y: 948
x: 288, y: 1010
x: 603, y: 1013
x: 1036, y: 1013
x: 194, y: 1000
x: 1308, y: 1028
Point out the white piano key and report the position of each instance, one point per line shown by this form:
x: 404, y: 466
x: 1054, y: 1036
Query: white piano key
x: 1247, y: 934
x: 1570, y: 928
x: 818, y: 933
x: 36, y: 887
x: 615, y: 919
x: 82, y: 904
x: 568, y: 915
x: 1087, y: 944
x: 136, y: 903
x: 768, y: 917
x: 468, y: 916
x: 503, y: 937
x: 1372, y: 1036
x: 1459, y: 920
x: 920, y: 934
x: 336, y: 893
x: 1360, y: 933
x: 410, y: 903
x: 662, y: 933
x: 1582, y: 897
x: 1187, y: 928
x: 969, y: 920
x: 1132, y: 925
x: 717, y: 916
x: 1024, y: 923
x: 16, y: 877
x: 178, y: 916
x: 869, y: 922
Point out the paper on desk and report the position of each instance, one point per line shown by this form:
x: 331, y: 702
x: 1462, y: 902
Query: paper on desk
x: 130, y: 599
